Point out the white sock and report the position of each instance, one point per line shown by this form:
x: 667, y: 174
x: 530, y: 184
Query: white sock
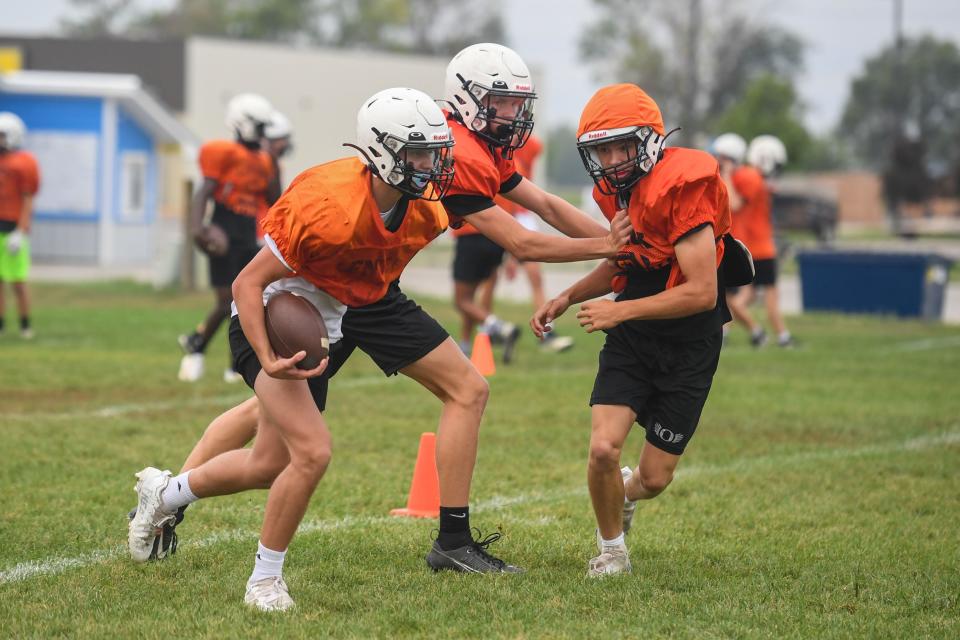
x: 177, y: 494
x: 612, y: 544
x: 269, y: 564
x: 785, y: 336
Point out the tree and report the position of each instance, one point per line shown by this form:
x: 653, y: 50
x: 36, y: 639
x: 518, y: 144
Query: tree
x: 769, y: 106
x: 913, y: 96
x: 102, y: 18
x: 695, y: 69
x: 415, y: 26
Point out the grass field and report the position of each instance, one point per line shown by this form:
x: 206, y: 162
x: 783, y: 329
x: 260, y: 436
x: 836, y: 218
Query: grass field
x: 820, y: 497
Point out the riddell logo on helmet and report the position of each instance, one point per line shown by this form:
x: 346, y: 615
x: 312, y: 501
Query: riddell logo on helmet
x: 439, y: 137
x: 594, y: 135
x: 522, y: 87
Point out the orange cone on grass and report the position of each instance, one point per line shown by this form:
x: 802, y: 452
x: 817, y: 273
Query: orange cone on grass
x: 482, y: 355
x: 424, y: 498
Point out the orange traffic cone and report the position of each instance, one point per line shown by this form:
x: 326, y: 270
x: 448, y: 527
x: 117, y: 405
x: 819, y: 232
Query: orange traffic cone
x: 482, y: 355
x: 424, y: 499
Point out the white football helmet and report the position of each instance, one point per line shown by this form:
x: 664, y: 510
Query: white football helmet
x: 279, y: 127
x: 248, y: 115
x: 730, y: 145
x: 398, y: 131
x: 486, y: 75
x: 767, y: 154
x: 13, y: 130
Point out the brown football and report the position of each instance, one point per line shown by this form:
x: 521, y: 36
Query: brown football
x: 214, y: 241
x: 294, y: 325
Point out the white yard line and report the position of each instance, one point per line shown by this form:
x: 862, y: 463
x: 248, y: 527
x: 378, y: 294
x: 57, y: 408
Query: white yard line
x: 54, y: 566
x: 927, y: 344
x: 120, y: 410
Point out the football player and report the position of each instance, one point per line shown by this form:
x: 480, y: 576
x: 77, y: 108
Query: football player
x: 240, y: 178
x: 490, y: 98
x: 750, y: 200
x: 663, y: 332
x: 19, y: 183
x: 388, y: 196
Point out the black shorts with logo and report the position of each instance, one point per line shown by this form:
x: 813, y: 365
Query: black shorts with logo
x: 476, y: 257
x: 665, y: 382
x: 242, y: 233
x: 394, y: 331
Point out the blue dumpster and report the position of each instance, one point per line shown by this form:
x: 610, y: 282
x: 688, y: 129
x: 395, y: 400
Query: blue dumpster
x: 909, y: 285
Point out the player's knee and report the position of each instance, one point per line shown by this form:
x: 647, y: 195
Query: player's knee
x: 604, y: 454
x: 656, y: 480
x: 471, y: 391
x: 313, y: 461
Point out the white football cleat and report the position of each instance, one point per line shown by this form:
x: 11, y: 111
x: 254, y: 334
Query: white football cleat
x: 231, y: 377
x: 269, y: 594
x: 150, y: 517
x: 191, y: 367
x: 555, y: 343
x: 612, y: 561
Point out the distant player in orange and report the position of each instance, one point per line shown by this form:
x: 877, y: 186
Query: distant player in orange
x: 664, y: 329
x: 490, y: 96
x: 340, y: 236
x: 19, y: 183
x: 241, y: 180
x: 526, y: 160
x: 750, y: 203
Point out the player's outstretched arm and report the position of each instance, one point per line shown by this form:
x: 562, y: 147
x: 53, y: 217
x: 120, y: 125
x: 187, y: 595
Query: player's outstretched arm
x: 248, y: 295
x: 594, y: 284
x: 526, y: 245
x: 555, y: 211
x: 697, y: 256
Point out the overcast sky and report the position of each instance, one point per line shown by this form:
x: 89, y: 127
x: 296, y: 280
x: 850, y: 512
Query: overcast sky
x: 840, y: 35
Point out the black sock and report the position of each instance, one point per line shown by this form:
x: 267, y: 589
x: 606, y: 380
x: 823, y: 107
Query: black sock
x: 454, y: 527
x: 24, y: 323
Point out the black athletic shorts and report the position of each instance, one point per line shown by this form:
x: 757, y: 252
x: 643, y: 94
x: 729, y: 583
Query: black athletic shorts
x: 766, y: 272
x: 246, y: 363
x: 665, y: 382
x: 475, y: 258
x: 394, y: 331
x: 242, y: 232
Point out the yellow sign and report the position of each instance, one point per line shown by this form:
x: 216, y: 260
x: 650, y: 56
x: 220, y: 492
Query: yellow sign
x: 11, y: 59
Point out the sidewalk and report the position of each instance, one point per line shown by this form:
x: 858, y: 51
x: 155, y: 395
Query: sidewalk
x: 436, y: 281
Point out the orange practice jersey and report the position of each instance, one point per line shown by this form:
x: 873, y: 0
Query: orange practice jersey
x: 751, y: 222
x: 328, y: 228
x: 682, y: 192
x: 478, y: 171
x: 19, y: 177
x: 242, y: 175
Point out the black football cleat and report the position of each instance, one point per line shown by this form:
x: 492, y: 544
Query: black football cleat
x: 470, y: 558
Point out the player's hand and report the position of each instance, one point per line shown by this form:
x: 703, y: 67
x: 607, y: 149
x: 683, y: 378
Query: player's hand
x: 545, y: 315
x: 199, y: 238
x: 14, y: 242
x: 620, y: 229
x: 286, y: 368
x: 598, y: 315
